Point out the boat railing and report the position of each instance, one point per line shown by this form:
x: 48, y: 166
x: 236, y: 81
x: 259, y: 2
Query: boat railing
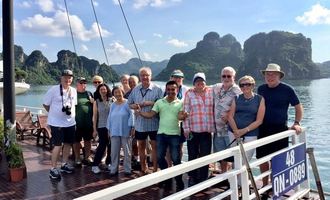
x: 33, y: 110
x: 238, y: 172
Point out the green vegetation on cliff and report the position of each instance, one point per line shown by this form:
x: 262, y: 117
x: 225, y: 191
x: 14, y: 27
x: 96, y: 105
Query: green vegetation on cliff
x: 293, y: 52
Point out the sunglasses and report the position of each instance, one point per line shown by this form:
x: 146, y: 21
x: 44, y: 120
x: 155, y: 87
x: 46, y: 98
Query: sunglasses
x: 97, y: 82
x: 226, y: 76
x: 245, y: 84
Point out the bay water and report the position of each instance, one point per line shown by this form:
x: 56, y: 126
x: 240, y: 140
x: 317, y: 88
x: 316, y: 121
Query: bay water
x: 314, y: 95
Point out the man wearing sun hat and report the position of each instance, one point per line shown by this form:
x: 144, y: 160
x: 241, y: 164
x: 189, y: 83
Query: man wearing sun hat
x: 60, y: 101
x: 278, y: 96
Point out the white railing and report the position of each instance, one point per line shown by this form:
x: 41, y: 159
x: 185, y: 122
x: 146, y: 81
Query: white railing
x: 34, y: 110
x: 232, y: 175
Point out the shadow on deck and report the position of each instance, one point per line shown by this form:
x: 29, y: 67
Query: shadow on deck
x: 37, y: 185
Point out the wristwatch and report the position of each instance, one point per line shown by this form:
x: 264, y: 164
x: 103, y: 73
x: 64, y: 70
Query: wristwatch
x: 296, y: 123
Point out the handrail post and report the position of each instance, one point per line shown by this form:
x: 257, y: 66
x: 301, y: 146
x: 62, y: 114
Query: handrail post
x: 233, y: 180
x: 310, y: 152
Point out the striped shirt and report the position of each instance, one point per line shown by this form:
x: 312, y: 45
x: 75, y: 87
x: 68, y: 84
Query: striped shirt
x: 200, y: 111
x: 139, y: 95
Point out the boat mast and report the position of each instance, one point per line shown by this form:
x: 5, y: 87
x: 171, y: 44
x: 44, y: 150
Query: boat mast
x: 8, y: 65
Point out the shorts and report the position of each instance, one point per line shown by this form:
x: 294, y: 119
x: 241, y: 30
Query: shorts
x: 62, y: 135
x: 220, y: 141
x: 267, y: 130
x: 144, y: 135
x: 84, y: 133
x: 249, y: 154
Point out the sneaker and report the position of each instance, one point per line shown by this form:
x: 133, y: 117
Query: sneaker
x: 96, y: 170
x: 87, y: 162
x: 54, y: 174
x: 109, y: 167
x: 78, y: 164
x: 67, y: 168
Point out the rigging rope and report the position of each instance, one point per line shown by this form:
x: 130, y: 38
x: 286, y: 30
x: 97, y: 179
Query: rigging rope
x: 67, y: 14
x: 98, y: 26
x: 129, y: 30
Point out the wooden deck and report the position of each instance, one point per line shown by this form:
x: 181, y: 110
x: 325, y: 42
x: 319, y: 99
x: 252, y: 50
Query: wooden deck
x: 37, y: 185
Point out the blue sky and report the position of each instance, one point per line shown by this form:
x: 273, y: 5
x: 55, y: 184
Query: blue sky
x: 162, y: 28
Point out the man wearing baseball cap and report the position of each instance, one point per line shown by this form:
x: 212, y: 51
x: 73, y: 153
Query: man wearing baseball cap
x: 278, y: 96
x: 60, y: 101
x: 84, y: 122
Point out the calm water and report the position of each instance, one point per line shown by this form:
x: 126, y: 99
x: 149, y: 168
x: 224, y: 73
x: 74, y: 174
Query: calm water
x: 314, y: 95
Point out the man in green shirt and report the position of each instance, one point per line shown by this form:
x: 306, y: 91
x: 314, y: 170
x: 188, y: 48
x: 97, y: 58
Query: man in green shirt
x: 84, y: 126
x: 168, y: 135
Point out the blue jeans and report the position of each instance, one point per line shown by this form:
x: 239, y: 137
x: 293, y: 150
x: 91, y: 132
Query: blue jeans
x: 173, y: 143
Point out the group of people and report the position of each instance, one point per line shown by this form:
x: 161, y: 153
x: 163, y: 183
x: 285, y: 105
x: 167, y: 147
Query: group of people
x: 202, y: 115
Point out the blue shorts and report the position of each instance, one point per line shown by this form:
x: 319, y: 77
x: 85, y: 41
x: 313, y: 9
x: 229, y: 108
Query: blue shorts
x: 62, y: 135
x: 220, y: 142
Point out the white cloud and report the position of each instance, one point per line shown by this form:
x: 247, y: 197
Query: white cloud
x: 43, y: 45
x: 146, y: 56
x: 46, y: 5
x: 177, y: 43
x: 317, y: 15
x: 138, y: 4
x: 83, y: 48
x: 157, y: 35
x: 118, y: 53
x: 25, y: 4
x: 95, y: 3
x: 57, y: 26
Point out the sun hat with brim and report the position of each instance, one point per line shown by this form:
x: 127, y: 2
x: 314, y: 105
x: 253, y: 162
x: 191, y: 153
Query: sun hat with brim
x: 272, y: 67
x: 199, y: 75
x: 177, y: 73
x: 67, y: 72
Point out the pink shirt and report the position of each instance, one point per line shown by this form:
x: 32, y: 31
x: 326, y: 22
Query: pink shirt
x: 200, y: 109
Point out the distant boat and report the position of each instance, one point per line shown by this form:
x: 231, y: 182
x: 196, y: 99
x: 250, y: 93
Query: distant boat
x: 20, y: 87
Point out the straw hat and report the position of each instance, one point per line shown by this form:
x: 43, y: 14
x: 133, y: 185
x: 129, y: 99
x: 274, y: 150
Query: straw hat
x: 272, y: 67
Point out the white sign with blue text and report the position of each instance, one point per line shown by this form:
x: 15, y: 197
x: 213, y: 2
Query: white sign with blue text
x: 289, y: 169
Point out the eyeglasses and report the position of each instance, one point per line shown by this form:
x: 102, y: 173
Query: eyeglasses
x: 97, y: 82
x: 226, y: 76
x: 245, y: 84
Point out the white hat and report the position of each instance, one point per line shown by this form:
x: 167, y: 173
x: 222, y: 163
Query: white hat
x: 199, y: 75
x: 272, y: 67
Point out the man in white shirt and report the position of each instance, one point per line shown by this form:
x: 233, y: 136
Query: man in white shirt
x: 60, y: 101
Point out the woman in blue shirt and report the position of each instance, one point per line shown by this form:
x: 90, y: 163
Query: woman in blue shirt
x: 246, y: 113
x: 120, y: 124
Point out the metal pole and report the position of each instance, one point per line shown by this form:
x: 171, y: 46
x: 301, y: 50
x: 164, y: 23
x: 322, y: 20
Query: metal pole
x: 248, y: 168
x: 8, y: 65
x: 310, y: 152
